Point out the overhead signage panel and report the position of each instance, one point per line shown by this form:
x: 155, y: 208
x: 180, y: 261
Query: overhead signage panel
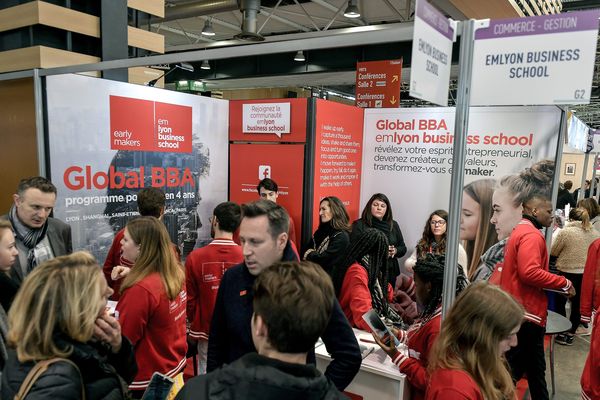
x: 536, y: 60
x: 431, y: 55
x: 378, y: 84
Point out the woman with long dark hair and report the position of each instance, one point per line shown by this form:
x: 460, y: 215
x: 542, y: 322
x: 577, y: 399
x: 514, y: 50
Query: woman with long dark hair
x: 361, y: 283
x: 420, y: 336
x: 153, y: 302
x: 378, y: 214
x: 331, y: 239
x: 433, y: 241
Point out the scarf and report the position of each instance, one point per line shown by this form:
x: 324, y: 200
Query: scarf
x: 383, y: 226
x: 30, y: 237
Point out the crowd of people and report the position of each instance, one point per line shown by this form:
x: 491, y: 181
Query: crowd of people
x: 251, y: 304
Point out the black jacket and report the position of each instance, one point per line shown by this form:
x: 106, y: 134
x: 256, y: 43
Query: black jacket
x: 257, y: 377
x: 230, y: 336
x: 336, y: 248
x: 564, y: 198
x: 99, y: 368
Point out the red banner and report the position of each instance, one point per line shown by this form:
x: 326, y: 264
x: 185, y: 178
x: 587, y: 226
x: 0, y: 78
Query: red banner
x: 144, y: 125
x: 378, y: 84
x: 338, y: 156
x: 249, y: 163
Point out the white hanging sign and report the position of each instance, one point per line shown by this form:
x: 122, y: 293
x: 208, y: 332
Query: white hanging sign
x: 536, y: 60
x: 433, y: 35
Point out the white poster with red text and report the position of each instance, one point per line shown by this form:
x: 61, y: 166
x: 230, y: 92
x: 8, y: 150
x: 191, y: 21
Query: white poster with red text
x: 407, y: 154
x: 110, y: 139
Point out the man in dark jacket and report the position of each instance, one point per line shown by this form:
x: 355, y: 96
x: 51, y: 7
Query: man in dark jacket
x: 564, y: 196
x: 263, y: 234
x: 292, y: 306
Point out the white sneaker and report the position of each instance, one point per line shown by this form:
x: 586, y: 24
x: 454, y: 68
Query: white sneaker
x: 583, y: 331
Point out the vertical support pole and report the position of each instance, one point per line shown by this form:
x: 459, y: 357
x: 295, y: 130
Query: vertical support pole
x: 461, y: 125
x: 113, y: 27
x: 39, y: 122
x: 562, y: 131
x: 581, y: 193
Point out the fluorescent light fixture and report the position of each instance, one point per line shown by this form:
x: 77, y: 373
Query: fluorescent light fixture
x: 352, y: 10
x: 208, y: 29
x: 205, y: 65
x: 299, y: 56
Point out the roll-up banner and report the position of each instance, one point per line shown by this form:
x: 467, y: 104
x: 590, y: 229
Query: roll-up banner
x: 407, y: 155
x: 110, y: 139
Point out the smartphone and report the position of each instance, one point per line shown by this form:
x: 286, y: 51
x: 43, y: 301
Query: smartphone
x: 159, y: 387
x: 379, y: 328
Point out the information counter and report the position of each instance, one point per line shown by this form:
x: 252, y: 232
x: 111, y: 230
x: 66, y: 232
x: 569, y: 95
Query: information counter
x: 378, y: 378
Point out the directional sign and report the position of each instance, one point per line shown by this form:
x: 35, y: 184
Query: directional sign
x: 431, y: 54
x: 378, y: 84
x: 545, y: 59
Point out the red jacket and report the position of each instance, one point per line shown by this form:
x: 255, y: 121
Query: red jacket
x: 452, y: 384
x: 204, y: 269
x: 420, y: 341
x: 115, y: 257
x: 524, y: 272
x: 590, y: 378
x: 355, y: 297
x: 590, y: 296
x: 156, y: 327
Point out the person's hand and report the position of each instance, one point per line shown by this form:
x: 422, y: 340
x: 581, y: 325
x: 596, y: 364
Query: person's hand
x: 391, y: 251
x: 108, y: 330
x: 395, y: 331
x: 571, y: 292
x: 119, y: 272
x: 390, y: 349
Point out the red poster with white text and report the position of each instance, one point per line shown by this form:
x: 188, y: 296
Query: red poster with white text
x: 249, y: 163
x: 338, y: 156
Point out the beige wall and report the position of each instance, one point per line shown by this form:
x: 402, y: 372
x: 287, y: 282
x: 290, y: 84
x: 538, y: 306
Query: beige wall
x: 578, y: 160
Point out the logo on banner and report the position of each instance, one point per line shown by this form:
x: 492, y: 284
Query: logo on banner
x: 266, y: 118
x: 146, y: 125
x: 264, y: 171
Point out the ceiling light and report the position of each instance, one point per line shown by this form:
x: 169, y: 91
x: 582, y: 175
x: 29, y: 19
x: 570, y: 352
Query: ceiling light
x: 299, y: 56
x: 352, y: 10
x: 208, y: 29
x: 205, y: 65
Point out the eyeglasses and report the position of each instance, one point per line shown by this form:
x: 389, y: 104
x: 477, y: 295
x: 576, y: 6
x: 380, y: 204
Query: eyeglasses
x: 437, y: 223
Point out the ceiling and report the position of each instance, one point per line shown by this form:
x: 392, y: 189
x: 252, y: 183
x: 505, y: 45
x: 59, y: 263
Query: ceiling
x: 293, y: 19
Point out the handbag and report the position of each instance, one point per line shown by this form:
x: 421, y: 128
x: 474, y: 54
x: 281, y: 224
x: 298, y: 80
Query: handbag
x: 37, y: 371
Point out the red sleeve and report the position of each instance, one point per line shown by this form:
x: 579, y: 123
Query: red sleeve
x: 292, y: 231
x: 192, y: 292
x: 390, y: 293
x: 112, y: 258
x: 415, y: 369
x: 356, y: 282
x: 589, y: 279
x: 135, y: 308
x: 530, y: 269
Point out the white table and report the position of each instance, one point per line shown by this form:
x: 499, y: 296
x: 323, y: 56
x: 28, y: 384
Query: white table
x: 378, y: 378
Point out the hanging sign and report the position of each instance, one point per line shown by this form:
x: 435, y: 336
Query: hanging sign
x: 431, y: 55
x: 536, y: 60
x: 378, y: 84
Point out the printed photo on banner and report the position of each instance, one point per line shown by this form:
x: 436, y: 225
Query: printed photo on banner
x: 407, y: 154
x: 134, y: 141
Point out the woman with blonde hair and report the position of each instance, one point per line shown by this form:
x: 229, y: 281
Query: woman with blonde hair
x: 570, y: 246
x: 60, y: 313
x: 153, y: 302
x: 591, y: 206
x: 477, y: 233
x: 467, y: 359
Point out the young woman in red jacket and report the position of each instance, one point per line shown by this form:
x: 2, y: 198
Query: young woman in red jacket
x: 467, y: 361
x: 153, y: 301
x: 361, y: 282
x: 429, y: 281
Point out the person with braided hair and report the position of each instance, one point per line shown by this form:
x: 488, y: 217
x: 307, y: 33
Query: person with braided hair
x: 420, y: 336
x: 361, y: 282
